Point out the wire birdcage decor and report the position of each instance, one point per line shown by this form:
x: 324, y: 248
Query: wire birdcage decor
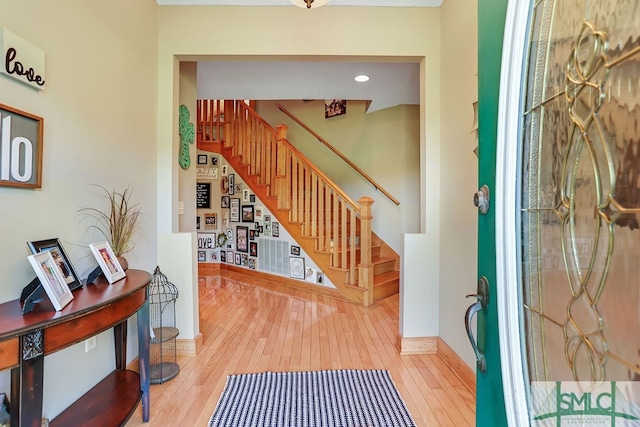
x: 162, y: 319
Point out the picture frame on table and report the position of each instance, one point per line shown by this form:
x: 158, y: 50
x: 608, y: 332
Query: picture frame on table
x: 59, y: 256
x: 107, y: 261
x: 51, y: 278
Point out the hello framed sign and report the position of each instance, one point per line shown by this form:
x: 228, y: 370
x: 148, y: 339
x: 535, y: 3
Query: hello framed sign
x: 21, y: 136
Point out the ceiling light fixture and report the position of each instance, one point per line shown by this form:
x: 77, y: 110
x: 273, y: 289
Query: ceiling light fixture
x: 362, y: 78
x: 310, y: 3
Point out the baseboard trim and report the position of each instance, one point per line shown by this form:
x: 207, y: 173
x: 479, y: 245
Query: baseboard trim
x: 208, y: 268
x: 293, y: 283
x: 189, y: 347
x: 458, y: 366
x: 417, y: 345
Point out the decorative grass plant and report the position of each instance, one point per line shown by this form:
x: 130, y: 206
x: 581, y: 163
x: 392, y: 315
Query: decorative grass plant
x: 119, y: 222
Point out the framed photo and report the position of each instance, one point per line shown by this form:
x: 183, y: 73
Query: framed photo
x: 258, y: 216
x: 247, y: 213
x: 320, y: 278
x: 214, y: 160
x: 267, y: 218
x: 25, y: 150
x: 224, y: 202
x: 334, y: 107
x: 203, y: 159
x: 238, y: 259
x: 202, y: 256
x: 252, y: 234
x: 295, y: 250
x: 238, y: 189
x: 275, y: 229
x: 253, y: 249
x: 51, y: 278
x: 234, y: 210
x: 296, y: 267
x: 252, y: 198
x: 211, y: 221
x: 60, y: 258
x: 232, y: 182
x: 229, y: 233
x: 242, y: 239
x: 230, y: 257
x: 245, y: 259
x: 224, y: 169
x: 252, y: 264
x: 223, y: 256
x: 245, y: 194
x: 107, y: 260
x: 198, y: 222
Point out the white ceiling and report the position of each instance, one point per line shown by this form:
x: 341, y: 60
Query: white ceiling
x: 391, y: 83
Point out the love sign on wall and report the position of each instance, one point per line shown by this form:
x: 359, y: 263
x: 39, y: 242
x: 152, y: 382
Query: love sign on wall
x: 20, y: 148
x: 21, y: 60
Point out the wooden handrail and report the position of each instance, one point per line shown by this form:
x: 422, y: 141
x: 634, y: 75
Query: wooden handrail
x: 304, y: 158
x: 339, y: 154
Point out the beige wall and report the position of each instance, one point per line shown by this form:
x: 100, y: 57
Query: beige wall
x: 99, y: 128
x: 458, y: 246
x: 188, y: 33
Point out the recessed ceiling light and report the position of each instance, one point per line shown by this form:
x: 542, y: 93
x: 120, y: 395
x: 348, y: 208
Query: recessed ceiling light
x: 362, y: 78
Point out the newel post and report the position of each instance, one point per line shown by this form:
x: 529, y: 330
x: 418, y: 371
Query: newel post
x: 283, y: 169
x: 365, y: 269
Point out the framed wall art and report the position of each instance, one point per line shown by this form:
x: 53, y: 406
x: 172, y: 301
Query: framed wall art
x: 242, y: 239
x: 203, y: 159
x: 247, y: 213
x: 107, y: 261
x: 232, y: 181
x: 51, y: 279
x: 234, y: 210
x: 203, y: 195
x: 21, y: 145
x: 296, y: 267
x: 211, y: 221
x: 54, y: 246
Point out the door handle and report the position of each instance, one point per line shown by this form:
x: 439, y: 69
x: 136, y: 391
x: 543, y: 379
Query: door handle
x: 482, y: 300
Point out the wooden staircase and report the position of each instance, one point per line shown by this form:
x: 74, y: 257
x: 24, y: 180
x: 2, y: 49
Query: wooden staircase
x: 333, y: 230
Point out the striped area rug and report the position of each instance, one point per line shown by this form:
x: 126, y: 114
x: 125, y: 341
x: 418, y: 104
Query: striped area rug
x: 343, y: 398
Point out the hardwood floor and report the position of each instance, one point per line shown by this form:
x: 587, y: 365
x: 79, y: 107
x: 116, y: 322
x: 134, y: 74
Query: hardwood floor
x: 255, y: 326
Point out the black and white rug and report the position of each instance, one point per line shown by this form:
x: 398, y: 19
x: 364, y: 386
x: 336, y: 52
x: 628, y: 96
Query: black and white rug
x: 343, y: 398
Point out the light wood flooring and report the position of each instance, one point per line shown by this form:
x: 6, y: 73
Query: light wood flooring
x: 252, y: 325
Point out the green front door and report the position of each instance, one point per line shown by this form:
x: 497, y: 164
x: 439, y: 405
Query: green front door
x: 559, y: 128
x: 490, y: 411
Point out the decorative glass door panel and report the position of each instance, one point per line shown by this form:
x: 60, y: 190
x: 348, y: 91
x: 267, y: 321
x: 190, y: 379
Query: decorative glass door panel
x: 580, y: 191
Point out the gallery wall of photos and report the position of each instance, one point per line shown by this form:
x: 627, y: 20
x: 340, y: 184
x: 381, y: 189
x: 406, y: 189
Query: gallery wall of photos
x: 234, y: 227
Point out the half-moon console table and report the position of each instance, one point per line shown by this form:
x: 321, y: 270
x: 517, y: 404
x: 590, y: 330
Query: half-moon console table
x: 26, y: 339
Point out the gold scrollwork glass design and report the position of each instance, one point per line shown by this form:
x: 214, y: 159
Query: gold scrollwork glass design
x: 580, y: 199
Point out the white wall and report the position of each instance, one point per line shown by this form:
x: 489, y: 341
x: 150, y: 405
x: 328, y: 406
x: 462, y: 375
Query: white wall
x: 99, y: 128
x: 459, y: 226
x: 190, y: 33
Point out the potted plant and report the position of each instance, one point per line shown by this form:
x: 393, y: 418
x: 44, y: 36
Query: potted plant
x: 118, y: 222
